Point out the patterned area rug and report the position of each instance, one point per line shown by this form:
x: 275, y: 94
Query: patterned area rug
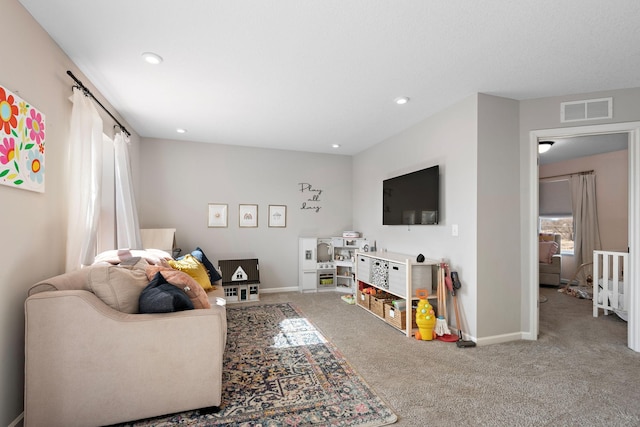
x: 280, y: 371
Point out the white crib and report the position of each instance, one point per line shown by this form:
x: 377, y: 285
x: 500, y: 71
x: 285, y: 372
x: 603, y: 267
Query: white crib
x: 609, y: 286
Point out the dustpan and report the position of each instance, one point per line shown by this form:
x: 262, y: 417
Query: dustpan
x: 447, y: 338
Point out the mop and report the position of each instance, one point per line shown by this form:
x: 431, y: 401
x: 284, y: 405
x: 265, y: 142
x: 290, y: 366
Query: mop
x: 441, y: 321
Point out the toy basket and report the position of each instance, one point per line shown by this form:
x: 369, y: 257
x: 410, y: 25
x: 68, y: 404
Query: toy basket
x: 363, y: 299
x: 398, y: 318
x: 377, y: 302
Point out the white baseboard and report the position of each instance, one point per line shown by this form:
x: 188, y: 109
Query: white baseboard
x: 17, y: 421
x: 276, y: 290
x: 497, y: 339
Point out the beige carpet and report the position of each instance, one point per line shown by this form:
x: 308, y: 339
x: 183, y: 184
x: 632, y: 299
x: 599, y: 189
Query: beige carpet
x: 580, y: 371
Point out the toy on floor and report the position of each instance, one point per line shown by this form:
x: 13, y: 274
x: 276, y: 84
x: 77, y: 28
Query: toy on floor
x: 425, y: 317
x: 349, y: 299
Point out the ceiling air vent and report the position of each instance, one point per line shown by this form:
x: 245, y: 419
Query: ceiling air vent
x: 588, y: 109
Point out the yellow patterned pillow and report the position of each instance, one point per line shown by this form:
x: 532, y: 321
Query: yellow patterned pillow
x: 194, y: 268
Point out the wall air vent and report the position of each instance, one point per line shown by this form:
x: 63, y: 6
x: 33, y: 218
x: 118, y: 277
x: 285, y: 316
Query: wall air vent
x: 588, y: 109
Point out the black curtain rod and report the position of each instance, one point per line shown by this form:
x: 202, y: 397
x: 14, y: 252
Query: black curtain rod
x: 569, y: 174
x: 87, y: 92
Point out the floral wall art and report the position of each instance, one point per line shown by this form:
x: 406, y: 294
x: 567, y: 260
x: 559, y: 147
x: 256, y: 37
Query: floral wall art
x: 22, y: 135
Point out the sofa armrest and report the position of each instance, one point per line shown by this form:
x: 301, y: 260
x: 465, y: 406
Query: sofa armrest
x: 554, y: 268
x: 87, y: 364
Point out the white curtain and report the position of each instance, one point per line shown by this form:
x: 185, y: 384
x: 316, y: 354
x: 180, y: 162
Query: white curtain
x: 585, y: 218
x: 85, y: 180
x: 127, y: 227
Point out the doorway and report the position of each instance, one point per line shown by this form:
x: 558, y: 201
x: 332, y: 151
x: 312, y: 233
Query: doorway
x: 606, y: 156
x: 530, y: 238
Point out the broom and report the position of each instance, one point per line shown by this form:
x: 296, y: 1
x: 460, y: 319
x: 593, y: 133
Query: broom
x: 441, y: 321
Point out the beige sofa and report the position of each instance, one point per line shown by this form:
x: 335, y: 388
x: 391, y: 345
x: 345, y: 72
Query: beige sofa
x: 87, y: 364
x: 550, y: 273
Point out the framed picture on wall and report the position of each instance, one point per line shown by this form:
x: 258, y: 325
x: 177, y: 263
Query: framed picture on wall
x: 277, y: 216
x: 217, y: 215
x: 248, y: 215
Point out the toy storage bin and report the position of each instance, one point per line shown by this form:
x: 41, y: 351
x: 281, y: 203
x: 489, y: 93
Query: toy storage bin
x: 398, y: 318
x: 363, y: 300
x: 397, y: 278
x: 376, y: 303
x: 380, y: 273
x: 363, y: 267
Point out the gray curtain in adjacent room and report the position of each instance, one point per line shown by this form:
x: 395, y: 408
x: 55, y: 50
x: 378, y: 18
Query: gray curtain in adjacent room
x: 585, y: 217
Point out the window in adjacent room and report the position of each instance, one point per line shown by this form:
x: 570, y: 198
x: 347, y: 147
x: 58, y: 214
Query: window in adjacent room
x: 555, y: 215
x: 560, y: 225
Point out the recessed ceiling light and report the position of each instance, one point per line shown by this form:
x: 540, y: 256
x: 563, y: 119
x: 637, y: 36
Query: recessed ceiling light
x: 180, y: 130
x: 335, y: 145
x: 152, y: 58
x: 401, y: 100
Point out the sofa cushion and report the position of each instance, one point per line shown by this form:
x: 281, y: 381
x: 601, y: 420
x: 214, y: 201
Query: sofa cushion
x: 551, y: 237
x: 162, y: 297
x: 117, y: 256
x: 214, y: 275
x: 194, y: 268
x: 546, y: 251
x: 119, y: 286
x: 74, y: 280
x: 555, y: 267
x: 183, y: 281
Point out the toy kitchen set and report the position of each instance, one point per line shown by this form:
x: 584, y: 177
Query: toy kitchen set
x: 327, y: 264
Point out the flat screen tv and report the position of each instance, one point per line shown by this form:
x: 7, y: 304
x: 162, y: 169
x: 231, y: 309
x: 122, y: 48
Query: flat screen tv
x: 411, y: 199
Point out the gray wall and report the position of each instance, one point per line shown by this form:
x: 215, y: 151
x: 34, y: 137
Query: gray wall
x: 34, y: 224
x: 448, y: 139
x: 475, y: 143
x: 179, y: 179
x: 498, y: 245
x: 544, y: 113
x: 456, y: 138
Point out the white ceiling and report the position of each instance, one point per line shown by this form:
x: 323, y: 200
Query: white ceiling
x: 302, y: 75
x: 567, y: 148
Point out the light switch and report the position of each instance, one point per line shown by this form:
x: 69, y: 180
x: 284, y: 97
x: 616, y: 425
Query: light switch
x: 454, y: 230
